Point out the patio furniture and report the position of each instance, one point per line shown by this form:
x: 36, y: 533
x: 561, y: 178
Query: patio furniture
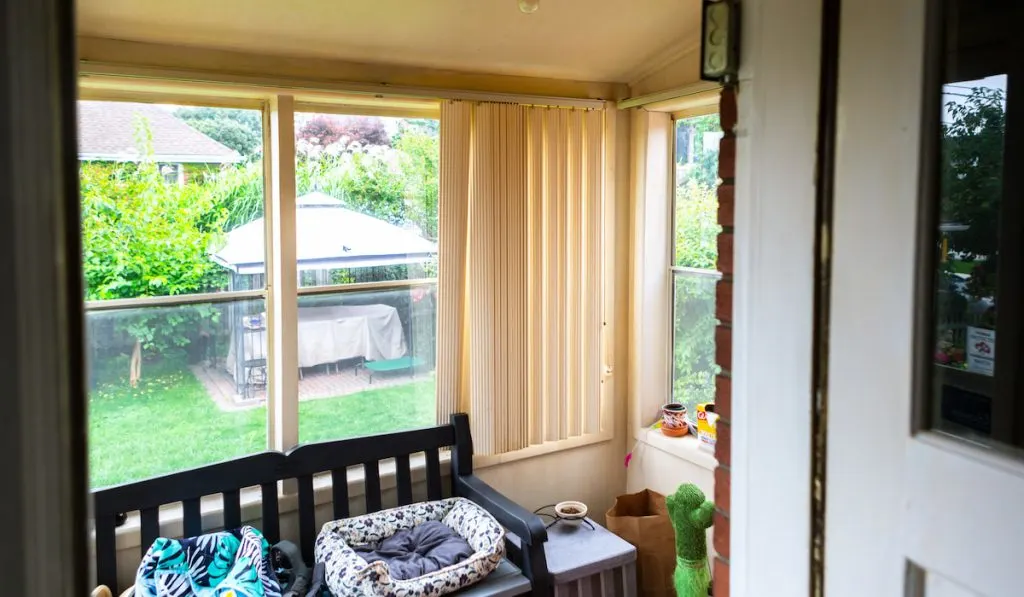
x: 406, y: 363
x: 328, y: 335
x: 524, y: 572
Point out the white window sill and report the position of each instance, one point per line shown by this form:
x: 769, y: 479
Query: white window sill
x: 687, y: 448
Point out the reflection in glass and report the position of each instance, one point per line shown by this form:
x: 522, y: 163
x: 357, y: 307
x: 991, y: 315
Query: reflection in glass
x: 161, y: 393
x: 977, y: 300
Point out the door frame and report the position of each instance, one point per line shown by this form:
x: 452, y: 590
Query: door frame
x: 42, y: 432
x: 773, y: 310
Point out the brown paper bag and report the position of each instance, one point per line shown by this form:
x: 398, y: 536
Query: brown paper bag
x: 642, y: 519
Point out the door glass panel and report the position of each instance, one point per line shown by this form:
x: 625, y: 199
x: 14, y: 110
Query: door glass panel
x: 976, y: 360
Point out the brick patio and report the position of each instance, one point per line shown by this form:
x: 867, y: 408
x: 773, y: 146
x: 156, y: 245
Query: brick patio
x: 317, y: 382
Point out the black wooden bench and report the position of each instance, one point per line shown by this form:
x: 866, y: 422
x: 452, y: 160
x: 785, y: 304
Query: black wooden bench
x: 529, y: 573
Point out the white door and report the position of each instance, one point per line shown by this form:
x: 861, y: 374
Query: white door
x: 925, y: 478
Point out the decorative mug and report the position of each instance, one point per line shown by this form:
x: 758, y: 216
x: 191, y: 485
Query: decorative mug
x: 673, y: 415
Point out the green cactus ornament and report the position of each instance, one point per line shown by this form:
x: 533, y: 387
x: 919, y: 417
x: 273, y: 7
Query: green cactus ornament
x: 691, y: 514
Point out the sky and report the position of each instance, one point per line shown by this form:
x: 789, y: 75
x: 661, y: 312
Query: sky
x: 956, y: 92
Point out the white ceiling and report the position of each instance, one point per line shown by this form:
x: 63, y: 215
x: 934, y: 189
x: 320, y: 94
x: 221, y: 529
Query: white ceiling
x: 590, y: 40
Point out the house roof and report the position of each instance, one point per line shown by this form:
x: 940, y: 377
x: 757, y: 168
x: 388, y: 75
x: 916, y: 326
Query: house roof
x: 106, y: 132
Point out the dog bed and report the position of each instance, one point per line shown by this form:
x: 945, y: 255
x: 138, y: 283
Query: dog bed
x: 349, y: 574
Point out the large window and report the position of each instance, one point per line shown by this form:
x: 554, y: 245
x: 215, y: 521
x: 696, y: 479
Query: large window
x: 176, y: 264
x: 366, y: 226
x: 695, y: 254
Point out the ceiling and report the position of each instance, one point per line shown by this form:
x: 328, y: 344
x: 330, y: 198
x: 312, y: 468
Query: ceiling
x: 589, y: 40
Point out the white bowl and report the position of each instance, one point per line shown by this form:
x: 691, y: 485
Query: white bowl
x: 572, y: 512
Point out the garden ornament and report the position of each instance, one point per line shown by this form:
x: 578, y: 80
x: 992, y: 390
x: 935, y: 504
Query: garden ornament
x: 691, y: 515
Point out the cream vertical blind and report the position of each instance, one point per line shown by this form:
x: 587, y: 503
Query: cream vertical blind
x: 520, y: 279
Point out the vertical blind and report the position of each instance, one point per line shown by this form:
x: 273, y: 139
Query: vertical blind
x: 520, y: 278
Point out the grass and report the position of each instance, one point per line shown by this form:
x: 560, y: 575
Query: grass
x: 169, y: 423
x: 962, y: 267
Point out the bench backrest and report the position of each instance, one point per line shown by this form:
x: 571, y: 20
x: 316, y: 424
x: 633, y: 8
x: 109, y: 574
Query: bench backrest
x: 265, y: 470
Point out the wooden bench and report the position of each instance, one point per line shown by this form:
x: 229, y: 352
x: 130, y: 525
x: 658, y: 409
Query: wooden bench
x: 526, y: 573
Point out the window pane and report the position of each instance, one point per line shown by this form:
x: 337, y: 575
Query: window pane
x: 367, y: 362
x: 161, y: 390
x: 693, y: 359
x: 367, y: 198
x: 979, y: 282
x: 164, y: 188
x: 696, y: 217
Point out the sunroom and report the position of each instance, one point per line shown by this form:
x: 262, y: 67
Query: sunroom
x: 263, y: 232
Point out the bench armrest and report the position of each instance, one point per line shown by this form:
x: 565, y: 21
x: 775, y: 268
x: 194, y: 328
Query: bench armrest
x: 525, y: 525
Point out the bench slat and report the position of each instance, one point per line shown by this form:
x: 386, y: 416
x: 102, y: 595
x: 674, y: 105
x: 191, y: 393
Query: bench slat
x: 106, y: 550
x: 149, y: 522
x: 433, y: 474
x: 193, y: 517
x: 404, y: 478
x: 232, y: 509
x: 271, y: 526
x: 371, y: 486
x: 307, y: 517
x: 339, y: 492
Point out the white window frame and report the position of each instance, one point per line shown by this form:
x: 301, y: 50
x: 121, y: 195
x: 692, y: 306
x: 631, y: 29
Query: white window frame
x: 677, y: 271
x: 653, y: 257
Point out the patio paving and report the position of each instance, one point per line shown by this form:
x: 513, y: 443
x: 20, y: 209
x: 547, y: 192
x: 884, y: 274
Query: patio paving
x: 318, y: 382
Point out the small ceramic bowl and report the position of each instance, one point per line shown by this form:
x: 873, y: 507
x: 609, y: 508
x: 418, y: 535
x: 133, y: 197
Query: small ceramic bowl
x: 571, y: 512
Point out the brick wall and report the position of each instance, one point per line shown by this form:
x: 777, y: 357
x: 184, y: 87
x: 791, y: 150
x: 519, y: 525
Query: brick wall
x: 723, y: 340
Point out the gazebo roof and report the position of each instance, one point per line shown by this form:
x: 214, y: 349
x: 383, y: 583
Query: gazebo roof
x: 328, y: 236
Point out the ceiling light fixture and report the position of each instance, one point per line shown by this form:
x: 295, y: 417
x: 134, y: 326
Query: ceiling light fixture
x: 529, y: 6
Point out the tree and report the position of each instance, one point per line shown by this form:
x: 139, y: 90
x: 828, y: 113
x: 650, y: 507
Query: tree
x: 142, y: 237
x: 241, y: 130
x: 972, y: 175
x: 323, y: 131
x: 697, y: 162
x: 419, y: 154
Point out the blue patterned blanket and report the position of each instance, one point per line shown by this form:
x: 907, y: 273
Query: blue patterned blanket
x: 225, y: 564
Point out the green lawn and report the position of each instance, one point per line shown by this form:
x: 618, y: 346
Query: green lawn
x: 962, y: 267
x: 169, y: 423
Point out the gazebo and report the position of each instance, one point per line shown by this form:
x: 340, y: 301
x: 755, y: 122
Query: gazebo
x: 328, y: 237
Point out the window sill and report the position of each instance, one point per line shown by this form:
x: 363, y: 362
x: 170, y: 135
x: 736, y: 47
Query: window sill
x: 686, y: 448
x: 484, y: 461
x: 128, y: 535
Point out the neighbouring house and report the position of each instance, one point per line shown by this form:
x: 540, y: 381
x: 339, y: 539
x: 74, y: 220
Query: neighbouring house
x: 109, y: 132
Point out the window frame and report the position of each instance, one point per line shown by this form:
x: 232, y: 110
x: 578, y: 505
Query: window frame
x: 281, y: 298
x: 676, y: 271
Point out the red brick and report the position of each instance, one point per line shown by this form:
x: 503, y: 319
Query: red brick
x: 720, y: 535
x: 723, y: 347
x: 726, y: 204
x: 720, y: 573
x: 723, y: 487
x: 723, y: 301
x: 727, y: 157
x: 725, y: 253
x: 727, y: 109
x: 723, y: 397
x: 723, y: 443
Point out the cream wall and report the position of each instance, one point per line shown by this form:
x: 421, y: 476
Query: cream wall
x: 680, y: 70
